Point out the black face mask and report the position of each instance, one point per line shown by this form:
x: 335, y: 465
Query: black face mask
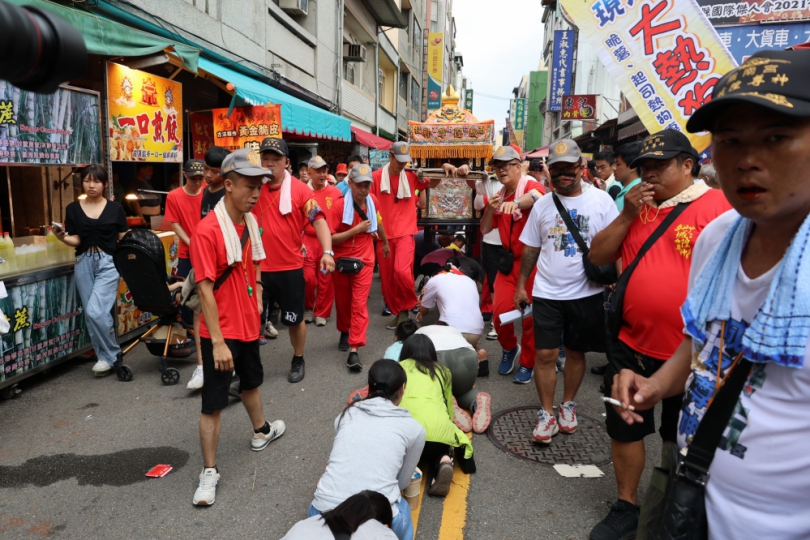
x: 564, y: 190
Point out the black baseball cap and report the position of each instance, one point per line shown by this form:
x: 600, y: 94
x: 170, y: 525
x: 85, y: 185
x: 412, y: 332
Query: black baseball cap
x: 665, y: 144
x: 776, y: 80
x: 194, y: 167
x: 277, y: 146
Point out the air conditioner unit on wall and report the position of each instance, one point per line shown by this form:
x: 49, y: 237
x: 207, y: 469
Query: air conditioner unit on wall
x: 294, y: 7
x: 354, y: 53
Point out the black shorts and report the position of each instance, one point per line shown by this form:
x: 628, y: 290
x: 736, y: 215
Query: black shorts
x: 579, y: 324
x: 287, y: 290
x: 246, y: 362
x: 621, y: 356
x: 183, y: 267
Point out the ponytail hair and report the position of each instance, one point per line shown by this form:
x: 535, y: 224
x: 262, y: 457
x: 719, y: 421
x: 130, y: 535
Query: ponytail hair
x: 385, y: 379
x: 356, y: 510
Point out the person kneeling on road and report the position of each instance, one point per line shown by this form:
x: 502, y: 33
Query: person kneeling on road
x: 230, y: 323
x: 364, y: 516
x: 398, y: 440
x: 429, y: 398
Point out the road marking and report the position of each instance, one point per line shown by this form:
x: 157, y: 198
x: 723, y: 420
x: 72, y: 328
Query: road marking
x: 454, y: 515
x: 415, y: 511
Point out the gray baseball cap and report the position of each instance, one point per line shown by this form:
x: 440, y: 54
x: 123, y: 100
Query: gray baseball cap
x: 244, y: 162
x: 360, y: 173
x: 317, y: 163
x: 402, y: 151
x: 564, y: 151
x: 506, y: 153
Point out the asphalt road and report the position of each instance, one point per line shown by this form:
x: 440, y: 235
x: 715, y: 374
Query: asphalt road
x: 74, y: 450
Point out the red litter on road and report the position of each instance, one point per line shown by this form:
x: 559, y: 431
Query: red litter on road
x: 159, y: 471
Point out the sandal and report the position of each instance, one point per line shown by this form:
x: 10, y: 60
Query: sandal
x: 444, y: 477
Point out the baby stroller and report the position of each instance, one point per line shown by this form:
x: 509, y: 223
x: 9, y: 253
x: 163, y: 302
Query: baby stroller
x: 141, y: 261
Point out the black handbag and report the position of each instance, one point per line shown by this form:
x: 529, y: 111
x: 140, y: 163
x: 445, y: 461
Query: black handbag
x: 615, y: 303
x: 351, y: 265
x: 674, y: 506
x: 605, y: 274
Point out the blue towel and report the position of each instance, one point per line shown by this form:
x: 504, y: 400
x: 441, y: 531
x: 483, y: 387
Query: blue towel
x: 780, y: 329
x: 348, y: 212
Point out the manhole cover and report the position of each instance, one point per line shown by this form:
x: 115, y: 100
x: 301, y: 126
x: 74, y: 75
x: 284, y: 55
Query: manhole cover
x: 511, y: 431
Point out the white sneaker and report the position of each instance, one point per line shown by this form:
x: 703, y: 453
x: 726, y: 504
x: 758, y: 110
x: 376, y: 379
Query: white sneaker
x: 546, y: 428
x: 196, y: 381
x: 270, y: 330
x: 206, y: 493
x: 308, y: 316
x: 568, y: 417
x: 320, y: 321
x: 101, y: 367
x: 260, y: 440
x: 492, y: 334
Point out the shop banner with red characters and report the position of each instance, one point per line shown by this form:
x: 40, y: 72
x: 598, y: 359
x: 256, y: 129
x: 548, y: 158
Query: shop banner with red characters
x: 579, y: 107
x: 664, y: 54
x: 145, y: 116
x: 202, y: 133
x: 246, y: 127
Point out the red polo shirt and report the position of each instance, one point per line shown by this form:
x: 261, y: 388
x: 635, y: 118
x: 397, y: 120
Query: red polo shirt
x: 326, y: 198
x: 283, y: 235
x: 183, y: 209
x: 360, y: 246
x: 657, y: 288
x: 399, y: 214
x: 238, y: 312
x: 508, y: 228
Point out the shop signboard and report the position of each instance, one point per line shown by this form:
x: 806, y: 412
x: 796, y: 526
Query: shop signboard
x: 743, y: 41
x: 63, y: 128
x: 246, y: 127
x: 145, y: 116
x: 664, y: 55
x: 562, y: 64
x: 128, y: 316
x: 468, y: 100
x: 579, y: 107
x: 378, y: 158
x: 202, y: 133
x: 749, y: 11
x: 47, y: 323
x: 435, y: 67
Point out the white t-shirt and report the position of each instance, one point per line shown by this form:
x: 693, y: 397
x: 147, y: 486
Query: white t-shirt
x: 490, y: 188
x: 760, y: 476
x: 458, y: 302
x: 445, y: 338
x: 315, y: 528
x: 560, y: 273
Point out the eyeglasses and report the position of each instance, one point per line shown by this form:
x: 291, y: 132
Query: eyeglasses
x: 556, y: 173
x: 504, y: 166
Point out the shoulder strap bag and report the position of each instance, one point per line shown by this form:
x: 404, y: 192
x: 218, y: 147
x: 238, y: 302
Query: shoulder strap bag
x: 605, y: 274
x: 351, y: 265
x: 674, y: 506
x: 190, y: 296
x: 615, y: 303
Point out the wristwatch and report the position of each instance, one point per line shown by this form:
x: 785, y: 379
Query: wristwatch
x: 329, y: 252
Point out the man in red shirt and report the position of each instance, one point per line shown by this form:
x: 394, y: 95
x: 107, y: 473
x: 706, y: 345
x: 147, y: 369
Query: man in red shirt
x: 183, y: 207
x: 502, y: 213
x: 318, y: 305
x: 284, y: 208
x: 652, y: 325
x: 230, y: 288
x: 395, y: 189
x: 353, y: 229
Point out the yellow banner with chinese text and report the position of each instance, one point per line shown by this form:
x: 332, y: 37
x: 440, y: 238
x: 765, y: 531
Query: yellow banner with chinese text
x: 246, y: 127
x: 664, y: 55
x: 145, y: 116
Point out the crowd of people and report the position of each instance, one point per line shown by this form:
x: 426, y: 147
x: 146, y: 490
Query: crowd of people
x: 680, y: 272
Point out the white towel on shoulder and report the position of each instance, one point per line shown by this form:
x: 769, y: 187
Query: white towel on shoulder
x: 404, y: 188
x: 233, y: 244
x: 285, y: 200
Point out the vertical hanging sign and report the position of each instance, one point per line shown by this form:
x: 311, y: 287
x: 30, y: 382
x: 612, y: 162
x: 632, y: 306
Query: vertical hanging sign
x: 561, y: 66
x: 435, y: 70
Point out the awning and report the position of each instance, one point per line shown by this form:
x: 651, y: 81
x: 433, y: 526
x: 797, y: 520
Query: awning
x: 632, y: 129
x: 109, y: 38
x: 369, y: 139
x: 297, y: 116
x: 541, y: 152
x: 387, y: 13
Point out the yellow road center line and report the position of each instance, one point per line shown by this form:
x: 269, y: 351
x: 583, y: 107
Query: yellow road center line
x: 415, y: 511
x: 454, y: 515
